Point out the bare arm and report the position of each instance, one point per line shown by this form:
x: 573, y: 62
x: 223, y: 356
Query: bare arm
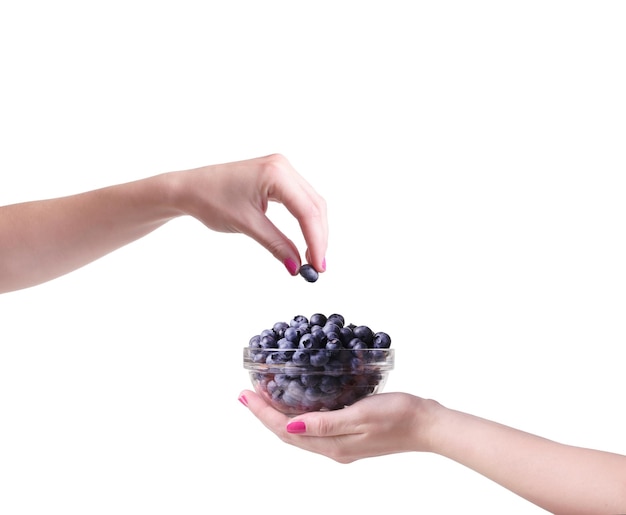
x: 41, y: 240
x: 559, y: 478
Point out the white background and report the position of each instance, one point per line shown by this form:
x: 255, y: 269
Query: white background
x: 472, y: 157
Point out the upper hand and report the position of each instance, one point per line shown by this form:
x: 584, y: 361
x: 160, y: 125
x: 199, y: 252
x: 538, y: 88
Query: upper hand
x: 234, y: 197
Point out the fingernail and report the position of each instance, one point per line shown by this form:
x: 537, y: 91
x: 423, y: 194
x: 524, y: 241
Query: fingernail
x: 291, y: 266
x: 243, y: 400
x: 324, y: 264
x: 297, y: 426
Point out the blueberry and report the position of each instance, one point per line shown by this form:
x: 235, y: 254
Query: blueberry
x: 268, y: 342
x: 334, y: 367
x: 381, y: 340
x: 303, y: 329
x: 319, y: 358
x: 310, y: 380
x: 298, y: 320
x: 356, y: 342
x: 255, y: 342
x: 334, y: 344
x: 285, y: 344
x: 279, y: 328
x: 318, y: 319
x: 308, y: 341
x: 359, y: 349
x: 309, y: 273
x: 346, y: 334
x: 294, y: 393
x: 338, y: 319
x: 320, y: 337
x: 378, y: 355
x: 277, y: 358
x: 331, y: 327
x: 282, y: 380
x: 314, y: 394
x: 272, y: 387
x: 292, y: 334
x: 301, y: 358
x: 329, y: 384
x: 259, y: 357
x: 364, y: 333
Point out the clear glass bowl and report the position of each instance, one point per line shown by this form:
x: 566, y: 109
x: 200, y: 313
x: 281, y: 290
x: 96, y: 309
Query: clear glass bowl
x: 302, y: 380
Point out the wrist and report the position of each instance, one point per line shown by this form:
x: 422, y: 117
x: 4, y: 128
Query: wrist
x: 431, y: 422
x: 172, y: 193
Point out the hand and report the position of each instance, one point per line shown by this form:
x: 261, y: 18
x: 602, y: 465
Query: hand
x: 559, y: 478
x: 44, y: 239
x: 380, y: 424
x: 234, y: 198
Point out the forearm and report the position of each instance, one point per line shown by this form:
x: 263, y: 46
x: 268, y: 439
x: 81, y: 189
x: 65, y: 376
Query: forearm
x: 557, y: 477
x: 41, y: 240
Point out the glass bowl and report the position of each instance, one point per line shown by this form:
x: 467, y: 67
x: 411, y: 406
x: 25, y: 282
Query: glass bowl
x: 297, y: 381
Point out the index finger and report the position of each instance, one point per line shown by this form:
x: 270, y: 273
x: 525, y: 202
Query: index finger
x: 309, y: 208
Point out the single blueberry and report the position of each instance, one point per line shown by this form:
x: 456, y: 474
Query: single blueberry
x: 259, y: 357
x: 331, y: 327
x: 364, y: 333
x: 303, y: 328
x: 329, y: 384
x: 314, y: 394
x: 318, y: 319
x: 338, y: 319
x: 346, y: 334
x: 294, y: 393
x: 334, y: 344
x: 272, y: 387
x: 356, y: 342
x: 320, y: 337
x: 334, y: 367
x: 292, y: 334
x: 255, y: 342
x: 267, y: 332
x: 298, y: 320
x: 279, y: 328
x: 310, y: 380
x: 268, y: 342
x: 309, y: 273
x: 301, y: 358
x: 285, y: 344
x: 357, y: 364
x: 378, y: 355
x: 282, y: 379
x: 381, y: 340
x: 319, y: 357
x: 307, y: 341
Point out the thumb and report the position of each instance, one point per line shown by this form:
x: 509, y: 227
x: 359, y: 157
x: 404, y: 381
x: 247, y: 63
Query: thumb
x: 323, y: 423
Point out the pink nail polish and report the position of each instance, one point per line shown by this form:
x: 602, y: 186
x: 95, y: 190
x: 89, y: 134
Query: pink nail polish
x: 297, y: 426
x: 243, y: 400
x: 291, y: 266
x: 324, y: 264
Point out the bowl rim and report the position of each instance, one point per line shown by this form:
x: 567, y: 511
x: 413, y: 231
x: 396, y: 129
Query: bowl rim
x: 379, y: 365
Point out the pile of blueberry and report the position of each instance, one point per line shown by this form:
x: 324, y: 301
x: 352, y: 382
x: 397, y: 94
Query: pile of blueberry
x: 317, y: 363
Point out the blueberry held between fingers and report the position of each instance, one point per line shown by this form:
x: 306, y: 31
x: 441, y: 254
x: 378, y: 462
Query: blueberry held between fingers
x: 309, y: 273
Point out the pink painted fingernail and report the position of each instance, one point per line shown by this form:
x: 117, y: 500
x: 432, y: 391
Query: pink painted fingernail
x: 243, y: 400
x: 324, y: 264
x: 297, y: 426
x: 291, y: 266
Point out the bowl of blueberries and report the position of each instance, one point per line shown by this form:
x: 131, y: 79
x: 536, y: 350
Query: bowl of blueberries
x: 317, y: 363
